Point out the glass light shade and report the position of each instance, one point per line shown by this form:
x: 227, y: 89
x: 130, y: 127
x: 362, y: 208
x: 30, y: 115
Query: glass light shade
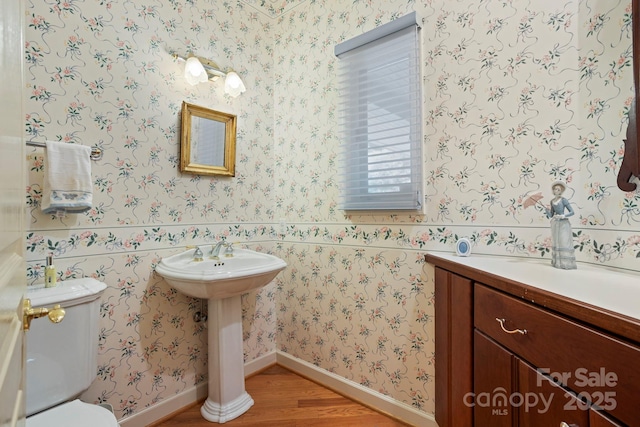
x: 194, y: 72
x: 233, y: 84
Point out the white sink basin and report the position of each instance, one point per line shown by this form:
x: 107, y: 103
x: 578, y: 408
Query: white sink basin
x: 217, y: 279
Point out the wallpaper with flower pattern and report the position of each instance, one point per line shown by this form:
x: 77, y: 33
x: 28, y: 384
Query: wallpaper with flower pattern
x: 517, y: 94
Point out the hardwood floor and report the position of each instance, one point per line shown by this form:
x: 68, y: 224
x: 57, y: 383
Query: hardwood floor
x: 284, y: 399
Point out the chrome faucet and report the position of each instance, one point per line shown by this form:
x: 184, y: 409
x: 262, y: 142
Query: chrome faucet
x: 215, y: 250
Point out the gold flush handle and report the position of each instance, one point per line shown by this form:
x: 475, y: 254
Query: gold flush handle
x: 55, y: 314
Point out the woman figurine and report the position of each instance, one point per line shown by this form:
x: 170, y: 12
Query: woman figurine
x: 562, y: 252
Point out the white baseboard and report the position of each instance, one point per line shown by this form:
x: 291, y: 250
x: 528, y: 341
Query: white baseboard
x: 257, y: 365
x: 167, y: 406
x: 355, y: 391
x: 348, y: 388
x: 188, y: 397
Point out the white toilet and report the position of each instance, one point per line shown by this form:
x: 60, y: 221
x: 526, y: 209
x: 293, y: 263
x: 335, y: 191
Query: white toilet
x: 62, y: 359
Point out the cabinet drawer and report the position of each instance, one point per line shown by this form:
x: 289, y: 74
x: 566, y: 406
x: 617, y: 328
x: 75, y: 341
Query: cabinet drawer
x: 602, y: 369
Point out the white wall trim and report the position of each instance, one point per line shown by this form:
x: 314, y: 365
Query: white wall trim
x: 167, y: 406
x: 262, y: 362
x: 355, y: 391
x: 188, y: 397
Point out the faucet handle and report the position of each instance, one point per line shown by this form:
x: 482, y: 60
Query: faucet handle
x: 197, y: 255
x: 228, y: 251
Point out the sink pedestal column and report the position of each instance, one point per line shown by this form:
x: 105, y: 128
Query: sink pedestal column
x: 228, y: 398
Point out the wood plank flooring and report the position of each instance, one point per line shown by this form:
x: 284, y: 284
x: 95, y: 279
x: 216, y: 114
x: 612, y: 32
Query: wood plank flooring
x: 285, y: 399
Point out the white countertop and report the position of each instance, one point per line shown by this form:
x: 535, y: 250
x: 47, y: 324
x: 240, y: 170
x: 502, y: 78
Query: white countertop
x: 611, y: 289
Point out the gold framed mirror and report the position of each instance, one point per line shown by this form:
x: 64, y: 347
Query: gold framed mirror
x: 207, y: 141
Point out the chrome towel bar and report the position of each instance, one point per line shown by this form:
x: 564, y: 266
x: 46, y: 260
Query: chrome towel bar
x: 96, y: 153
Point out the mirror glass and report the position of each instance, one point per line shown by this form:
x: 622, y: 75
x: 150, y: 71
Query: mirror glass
x: 207, y: 141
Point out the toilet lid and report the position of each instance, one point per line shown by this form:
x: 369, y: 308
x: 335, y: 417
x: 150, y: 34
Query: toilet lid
x: 73, y: 414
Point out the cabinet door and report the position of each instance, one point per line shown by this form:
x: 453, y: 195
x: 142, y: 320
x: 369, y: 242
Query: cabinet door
x: 493, y: 384
x: 545, y: 403
x: 454, y: 349
x: 597, y: 419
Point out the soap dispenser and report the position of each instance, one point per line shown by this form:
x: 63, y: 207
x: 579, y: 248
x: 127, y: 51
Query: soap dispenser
x: 49, y: 273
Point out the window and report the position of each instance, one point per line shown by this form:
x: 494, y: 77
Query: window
x: 381, y: 118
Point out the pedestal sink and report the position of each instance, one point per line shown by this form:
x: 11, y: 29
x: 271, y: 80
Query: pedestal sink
x: 222, y: 282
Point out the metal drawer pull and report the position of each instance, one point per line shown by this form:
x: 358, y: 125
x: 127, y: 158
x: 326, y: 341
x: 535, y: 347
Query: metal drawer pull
x: 515, y: 331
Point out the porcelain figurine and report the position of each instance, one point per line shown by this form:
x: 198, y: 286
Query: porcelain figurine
x: 562, y: 251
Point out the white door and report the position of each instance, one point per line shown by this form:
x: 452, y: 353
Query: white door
x: 12, y: 206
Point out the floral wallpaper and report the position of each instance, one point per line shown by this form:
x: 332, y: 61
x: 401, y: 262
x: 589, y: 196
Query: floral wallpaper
x: 101, y: 73
x: 517, y: 94
x: 365, y: 314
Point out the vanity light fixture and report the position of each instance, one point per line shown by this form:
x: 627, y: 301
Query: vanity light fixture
x: 198, y: 70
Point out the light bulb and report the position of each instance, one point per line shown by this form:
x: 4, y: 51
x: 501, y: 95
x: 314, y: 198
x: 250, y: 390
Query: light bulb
x: 194, y: 72
x: 233, y: 84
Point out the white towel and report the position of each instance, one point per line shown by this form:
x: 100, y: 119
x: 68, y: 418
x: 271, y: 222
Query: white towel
x: 67, y: 179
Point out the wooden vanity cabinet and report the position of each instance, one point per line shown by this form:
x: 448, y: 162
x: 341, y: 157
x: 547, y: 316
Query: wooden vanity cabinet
x: 504, y: 360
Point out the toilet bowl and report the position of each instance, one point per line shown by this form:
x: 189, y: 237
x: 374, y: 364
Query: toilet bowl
x: 62, y: 359
x: 74, y: 414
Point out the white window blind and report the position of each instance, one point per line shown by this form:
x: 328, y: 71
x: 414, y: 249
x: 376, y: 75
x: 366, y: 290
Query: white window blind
x: 381, y: 118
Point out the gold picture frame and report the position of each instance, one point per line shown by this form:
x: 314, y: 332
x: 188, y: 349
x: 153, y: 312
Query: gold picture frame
x: 207, y: 141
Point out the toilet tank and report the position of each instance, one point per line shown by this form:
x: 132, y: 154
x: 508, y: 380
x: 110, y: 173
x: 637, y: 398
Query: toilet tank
x: 62, y: 359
